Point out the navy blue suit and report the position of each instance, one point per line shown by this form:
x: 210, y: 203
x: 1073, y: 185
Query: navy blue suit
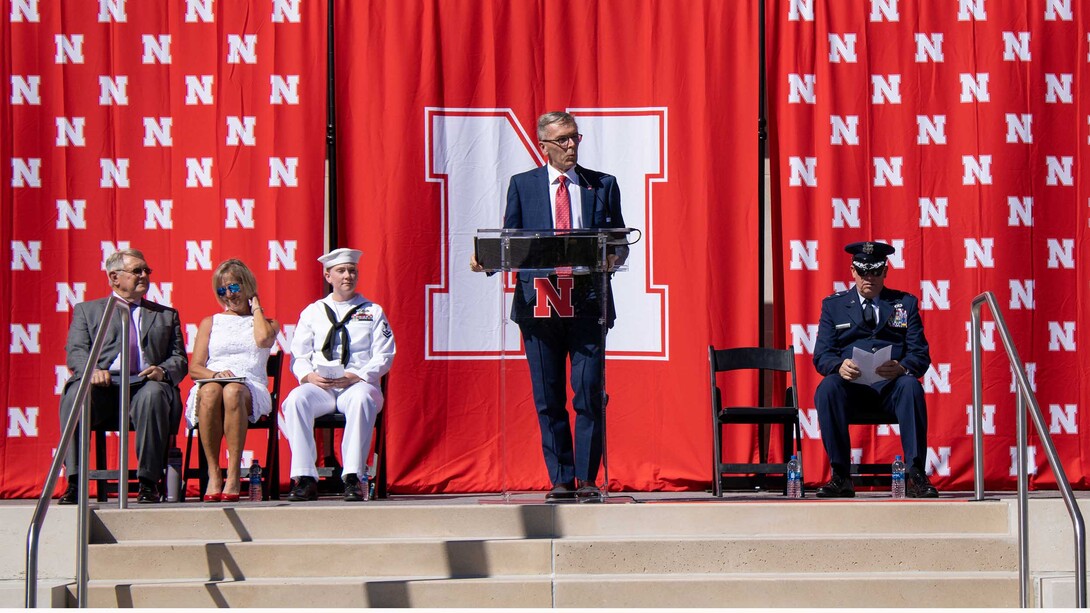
x: 550, y: 341
x: 841, y: 330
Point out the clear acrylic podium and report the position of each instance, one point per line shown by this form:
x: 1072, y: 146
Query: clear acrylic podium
x: 577, y: 253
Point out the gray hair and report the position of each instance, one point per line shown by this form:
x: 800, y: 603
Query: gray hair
x: 116, y: 260
x: 549, y: 119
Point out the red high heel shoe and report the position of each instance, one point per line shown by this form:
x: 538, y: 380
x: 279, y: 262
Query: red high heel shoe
x: 213, y: 497
x: 229, y: 497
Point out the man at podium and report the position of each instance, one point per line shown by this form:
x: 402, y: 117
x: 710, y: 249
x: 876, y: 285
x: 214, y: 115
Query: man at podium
x: 559, y: 314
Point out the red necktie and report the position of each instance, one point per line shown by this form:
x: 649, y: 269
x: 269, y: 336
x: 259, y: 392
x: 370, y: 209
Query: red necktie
x: 563, y: 216
x: 563, y: 205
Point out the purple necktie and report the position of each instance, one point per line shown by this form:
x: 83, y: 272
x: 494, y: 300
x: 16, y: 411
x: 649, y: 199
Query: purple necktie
x: 134, y: 341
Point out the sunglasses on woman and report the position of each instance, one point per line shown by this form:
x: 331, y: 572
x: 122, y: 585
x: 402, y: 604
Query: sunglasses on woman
x: 234, y: 288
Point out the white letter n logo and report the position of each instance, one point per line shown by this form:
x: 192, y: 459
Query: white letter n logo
x: 551, y: 298
x: 472, y: 155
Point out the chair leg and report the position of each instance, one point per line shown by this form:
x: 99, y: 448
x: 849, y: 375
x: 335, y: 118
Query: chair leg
x: 787, y: 446
x: 798, y: 450
x: 202, y: 466
x: 380, y: 455
x: 272, y: 464
x: 100, y: 464
x: 185, y: 466
x: 717, y: 445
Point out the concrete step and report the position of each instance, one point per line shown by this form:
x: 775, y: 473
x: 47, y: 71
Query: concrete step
x: 483, y: 558
x: 378, y: 520
x: 686, y: 590
x: 708, y: 554
x: 840, y: 554
x: 52, y: 593
x: 798, y: 590
x: 386, y: 592
x: 319, y: 558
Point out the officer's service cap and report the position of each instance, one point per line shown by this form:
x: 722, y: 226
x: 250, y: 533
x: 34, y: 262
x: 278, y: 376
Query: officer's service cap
x: 869, y: 256
x: 343, y: 255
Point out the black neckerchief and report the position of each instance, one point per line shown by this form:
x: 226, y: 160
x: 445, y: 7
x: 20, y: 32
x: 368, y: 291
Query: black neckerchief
x: 340, y: 328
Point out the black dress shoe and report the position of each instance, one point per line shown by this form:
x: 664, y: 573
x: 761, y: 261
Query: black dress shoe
x: 306, y: 488
x: 588, y: 492
x: 70, y: 495
x: 562, y: 491
x: 837, y: 487
x: 148, y: 493
x: 354, y: 489
x: 918, y: 486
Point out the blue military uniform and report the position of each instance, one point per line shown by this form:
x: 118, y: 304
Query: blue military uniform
x: 843, y: 328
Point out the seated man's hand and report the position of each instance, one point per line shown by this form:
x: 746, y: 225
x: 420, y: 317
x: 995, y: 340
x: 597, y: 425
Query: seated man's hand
x: 890, y: 369
x: 316, y: 379
x: 348, y: 380
x: 100, y: 378
x: 154, y: 373
x: 474, y: 265
x: 849, y: 371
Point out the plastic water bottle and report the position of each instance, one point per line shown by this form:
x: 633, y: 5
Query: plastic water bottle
x: 897, y: 489
x: 794, y: 478
x: 174, y: 474
x: 255, y: 481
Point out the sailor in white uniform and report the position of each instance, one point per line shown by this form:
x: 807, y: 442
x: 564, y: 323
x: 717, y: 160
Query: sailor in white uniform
x: 342, y: 347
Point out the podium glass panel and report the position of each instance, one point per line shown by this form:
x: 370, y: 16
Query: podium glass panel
x: 555, y: 280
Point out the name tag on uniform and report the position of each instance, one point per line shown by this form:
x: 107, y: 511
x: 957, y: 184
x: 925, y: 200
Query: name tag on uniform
x: 843, y: 326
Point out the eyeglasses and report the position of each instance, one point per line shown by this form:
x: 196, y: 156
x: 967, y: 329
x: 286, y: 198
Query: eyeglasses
x: 564, y: 141
x: 234, y: 288
x: 136, y: 272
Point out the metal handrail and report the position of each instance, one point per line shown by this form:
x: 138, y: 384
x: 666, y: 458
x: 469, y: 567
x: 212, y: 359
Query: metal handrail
x: 1025, y: 398
x: 82, y: 406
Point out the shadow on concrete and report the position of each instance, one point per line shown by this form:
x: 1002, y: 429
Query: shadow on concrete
x: 221, y: 564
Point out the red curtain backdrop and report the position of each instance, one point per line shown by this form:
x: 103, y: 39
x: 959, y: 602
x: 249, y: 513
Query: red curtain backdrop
x: 192, y: 131
x: 437, y: 104
x: 953, y: 130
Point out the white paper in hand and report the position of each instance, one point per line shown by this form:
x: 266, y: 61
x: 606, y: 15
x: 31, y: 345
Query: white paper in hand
x: 329, y: 370
x: 869, y: 362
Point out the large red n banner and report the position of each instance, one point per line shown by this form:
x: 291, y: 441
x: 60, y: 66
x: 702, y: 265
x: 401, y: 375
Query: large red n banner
x: 953, y: 131
x: 439, y: 104
x: 190, y: 130
x: 193, y: 131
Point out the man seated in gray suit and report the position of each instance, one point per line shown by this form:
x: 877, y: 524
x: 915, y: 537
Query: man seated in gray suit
x: 157, y: 364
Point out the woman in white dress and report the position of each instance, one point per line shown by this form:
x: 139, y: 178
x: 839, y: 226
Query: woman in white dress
x: 234, y: 343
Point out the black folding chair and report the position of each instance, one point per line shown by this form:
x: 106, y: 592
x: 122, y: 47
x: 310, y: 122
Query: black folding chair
x: 335, y: 420
x: 270, y: 422
x: 870, y: 473
x: 760, y: 359
x: 107, y: 480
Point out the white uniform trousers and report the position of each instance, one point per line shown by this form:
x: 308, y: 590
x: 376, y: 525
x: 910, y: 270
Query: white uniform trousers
x: 360, y: 404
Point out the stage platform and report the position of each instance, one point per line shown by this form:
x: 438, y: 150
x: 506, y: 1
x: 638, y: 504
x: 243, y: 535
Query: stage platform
x: 662, y: 550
